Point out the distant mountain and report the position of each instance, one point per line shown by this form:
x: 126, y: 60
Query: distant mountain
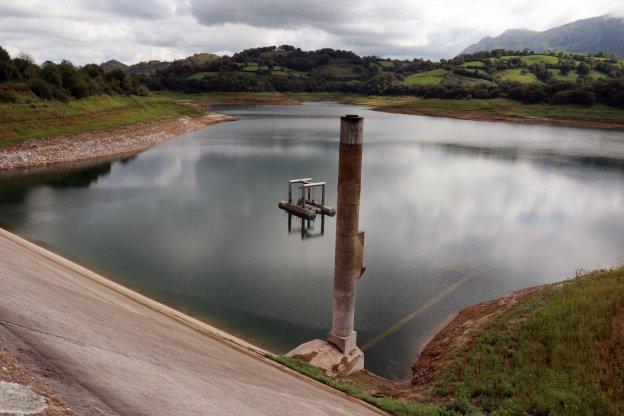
x: 152, y: 67
x: 590, y: 36
x: 112, y: 65
x: 148, y: 67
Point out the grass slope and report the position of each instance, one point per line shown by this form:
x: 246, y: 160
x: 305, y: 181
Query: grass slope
x: 391, y: 405
x: 518, y: 75
x: 426, y: 78
x: 20, y: 122
x: 559, y: 353
x: 473, y: 64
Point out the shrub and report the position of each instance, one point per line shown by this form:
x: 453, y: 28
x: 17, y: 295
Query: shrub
x: 617, y: 99
x: 578, y: 97
x: 8, y: 97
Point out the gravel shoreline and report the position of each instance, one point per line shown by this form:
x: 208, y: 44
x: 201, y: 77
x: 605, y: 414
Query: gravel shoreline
x: 101, y: 144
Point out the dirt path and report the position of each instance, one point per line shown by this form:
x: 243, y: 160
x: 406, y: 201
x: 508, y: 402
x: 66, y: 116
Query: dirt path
x: 140, y: 360
x: 101, y: 144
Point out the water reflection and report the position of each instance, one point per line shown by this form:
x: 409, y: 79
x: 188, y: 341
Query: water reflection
x: 15, y: 185
x: 306, y: 228
x: 544, y: 157
x: 455, y: 213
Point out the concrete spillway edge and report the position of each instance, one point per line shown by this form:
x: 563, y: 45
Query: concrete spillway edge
x: 199, y: 326
x: 137, y: 297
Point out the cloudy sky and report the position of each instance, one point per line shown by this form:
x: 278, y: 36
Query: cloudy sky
x: 135, y: 30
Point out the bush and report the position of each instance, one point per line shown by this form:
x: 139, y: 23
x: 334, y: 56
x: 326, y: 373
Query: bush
x: 48, y: 91
x: 8, y: 97
x: 531, y: 93
x: 617, y: 99
x: 577, y: 97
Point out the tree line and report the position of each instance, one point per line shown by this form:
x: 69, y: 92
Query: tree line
x: 597, y: 79
x: 20, y: 77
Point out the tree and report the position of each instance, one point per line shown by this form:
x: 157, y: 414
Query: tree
x: 51, y: 73
x: 583, y: 69
x: 578, y: 97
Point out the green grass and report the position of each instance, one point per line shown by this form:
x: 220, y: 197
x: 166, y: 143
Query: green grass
x: 200, y: 75
x: 426, y: 78
x: 597, y: 75
x: 20, y: 122
x: 337, y: 69
x: 389, y: 404
x: 534, y: 59
x: 473, y: 64
x: 275, y: 70
x: 570, y: 76
x: 558, y: 353
x: 387, y: 64
x: 518, y: 75
x: 229, y: 98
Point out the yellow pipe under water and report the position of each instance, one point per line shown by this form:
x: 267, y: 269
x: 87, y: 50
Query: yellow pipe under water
x: 469, y: 274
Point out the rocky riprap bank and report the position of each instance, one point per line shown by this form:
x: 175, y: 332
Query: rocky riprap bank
x: 100, y: 144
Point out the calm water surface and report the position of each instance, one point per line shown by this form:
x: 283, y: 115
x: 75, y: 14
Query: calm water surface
x: 455, y: 212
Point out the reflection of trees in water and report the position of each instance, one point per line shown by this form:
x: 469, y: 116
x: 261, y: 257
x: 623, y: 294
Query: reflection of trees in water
x: 15, y: 189
x: 548, y: 158
x: 80, y: 179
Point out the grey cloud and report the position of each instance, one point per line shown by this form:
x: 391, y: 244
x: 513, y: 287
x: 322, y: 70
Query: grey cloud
x: 147, y: 9
x: 131, y: 30
x: 266, y: 13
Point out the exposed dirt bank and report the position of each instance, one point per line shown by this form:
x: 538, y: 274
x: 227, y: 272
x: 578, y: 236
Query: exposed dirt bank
x: 101, y: 144
x: 447, y: 346
x: 442, y: 351
x: 595, y: 124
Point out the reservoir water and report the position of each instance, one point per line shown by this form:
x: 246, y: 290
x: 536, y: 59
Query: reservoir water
x: 455, y: 213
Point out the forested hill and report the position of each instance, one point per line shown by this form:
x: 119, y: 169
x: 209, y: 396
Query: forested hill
x: 590, y: 36
x: 524, y: 76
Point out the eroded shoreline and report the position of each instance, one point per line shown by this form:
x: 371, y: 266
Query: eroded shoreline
x: 87, y: 146
x: 564, y: 122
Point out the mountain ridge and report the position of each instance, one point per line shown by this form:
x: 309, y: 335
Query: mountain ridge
x: 589, y: 36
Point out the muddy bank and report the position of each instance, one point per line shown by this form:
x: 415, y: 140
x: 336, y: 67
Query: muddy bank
x: 595, y: 124
x: 102, y: 144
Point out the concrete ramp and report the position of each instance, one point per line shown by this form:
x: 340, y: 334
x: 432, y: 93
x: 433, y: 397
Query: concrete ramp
x: 142, y: 360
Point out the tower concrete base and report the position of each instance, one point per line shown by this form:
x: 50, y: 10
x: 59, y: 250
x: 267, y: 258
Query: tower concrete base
x: 328, y: 358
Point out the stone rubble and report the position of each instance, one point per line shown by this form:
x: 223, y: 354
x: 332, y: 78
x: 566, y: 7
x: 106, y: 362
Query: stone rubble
x: 100, y: 144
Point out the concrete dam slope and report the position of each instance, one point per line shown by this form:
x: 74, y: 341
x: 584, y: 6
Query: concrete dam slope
x: 140, y: 357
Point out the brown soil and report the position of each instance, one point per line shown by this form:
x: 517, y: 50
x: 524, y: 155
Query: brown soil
x: 19, y: 363
x: 12, y: 371
x: 598, y: 124
x: 101, y: 144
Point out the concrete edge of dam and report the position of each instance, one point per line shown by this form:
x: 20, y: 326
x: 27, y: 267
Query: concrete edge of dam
x: 194, y: 324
